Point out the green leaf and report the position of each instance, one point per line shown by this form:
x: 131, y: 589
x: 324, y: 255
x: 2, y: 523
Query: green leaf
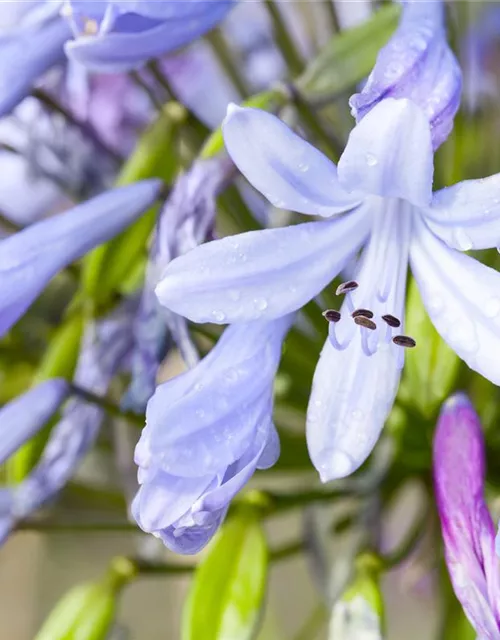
x: 155, y: 156
x: 228, y: 588
x: 431, y: 367
x: 59, y: 361
x: 348, y: 57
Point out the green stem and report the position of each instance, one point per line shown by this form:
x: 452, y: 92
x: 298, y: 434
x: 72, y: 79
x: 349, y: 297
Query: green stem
x: 87, y: 130
x: 108, y: 406
x: 226, y: 59
x: 140, y: 82
x: 408, y: 545
x: 285, y: 42
x: 313, y: 624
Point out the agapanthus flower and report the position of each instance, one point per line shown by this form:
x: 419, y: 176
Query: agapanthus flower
x: 186, y: 220
x: 105, y: 347
x: 117, y: 35
x: 30, y: 258
x: 468, y: 530
x: 384, y: 179
x: 206, y: 433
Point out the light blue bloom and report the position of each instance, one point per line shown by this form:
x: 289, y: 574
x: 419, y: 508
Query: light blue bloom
x: 186, y: 220
x: 24, y: 416
x: 118, y: 35
x: 105, y: 348
x: 30, y: 258
x: 385, y: 179
x: 206, y: 433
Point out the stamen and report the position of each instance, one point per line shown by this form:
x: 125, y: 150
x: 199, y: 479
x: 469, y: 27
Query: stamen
x: 404, y: 341
x: 392, y: 321
x: 331, y: 315
x: 366, y: 313
x: 365, y: 322
x: 346, y: 287
x: 91, y: 27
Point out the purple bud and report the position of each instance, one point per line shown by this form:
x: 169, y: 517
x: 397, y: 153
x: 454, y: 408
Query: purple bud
x: 417, y: 64
x: 468, y: 531
x: 30, y: 258
x: 24, y: 416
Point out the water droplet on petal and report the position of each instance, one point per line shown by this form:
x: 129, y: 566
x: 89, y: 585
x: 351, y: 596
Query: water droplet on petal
x: 218, y: 316
x: 371, y: 159
x: 234, y: 295
x: 260, y: 304
x: 492, y: 308
x: 463, y: 241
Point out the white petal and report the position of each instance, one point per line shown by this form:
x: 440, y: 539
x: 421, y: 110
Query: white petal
x: 467, y: 215
x: 351, y: 397
x: 462, y: 297
x: 389, y: 153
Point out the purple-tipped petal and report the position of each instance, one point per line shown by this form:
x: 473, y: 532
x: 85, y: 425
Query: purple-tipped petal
x: 462, y: 297
x: 30, y: 258
x: 467, y: 215
x: 417, y: 64
x: 261, y: 274
x: 192, y: 539
x: 24, y: 416
x: 287, y: 170
x: 389, y: 153
x: 136, y: 38
x: 468, y: 530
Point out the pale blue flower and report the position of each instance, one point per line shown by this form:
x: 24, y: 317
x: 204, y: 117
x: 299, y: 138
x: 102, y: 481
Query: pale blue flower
x: 30, y: 258
x: 117, y: 35
x: 384, y: 179
x: 206, y: 433
x: 468, y: 530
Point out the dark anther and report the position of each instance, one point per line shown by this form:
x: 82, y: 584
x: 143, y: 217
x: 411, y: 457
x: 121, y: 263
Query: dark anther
x: 366, y: 313
x: 392, y: 321
x: 331, y: 315
x: 365, y: 322
x: 404, y: 341
x: 346, y: 287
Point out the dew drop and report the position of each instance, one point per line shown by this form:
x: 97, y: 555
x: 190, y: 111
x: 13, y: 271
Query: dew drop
x: 303, y: 167
x: 371, y: 160
x: 200, y: 413
x: 492, y: 308
x: 218, y: 316
x: 463, y: 241
x: 260, y: 304
x: 234, y: 295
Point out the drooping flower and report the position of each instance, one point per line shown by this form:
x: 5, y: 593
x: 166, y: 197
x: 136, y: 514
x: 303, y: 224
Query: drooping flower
x: 105, y: 348
x: 468, y: 530
x: 186, y: 220
x: 118, y: 35
x: 384, y: 178
x: 30, y: 258
x: 206, y: 433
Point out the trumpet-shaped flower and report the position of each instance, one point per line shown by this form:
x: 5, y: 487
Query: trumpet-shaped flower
x: 30, y: 258
x: 206, y: 433
x: 468, y: 530
x: 117, y: 35
x: 384, y: 182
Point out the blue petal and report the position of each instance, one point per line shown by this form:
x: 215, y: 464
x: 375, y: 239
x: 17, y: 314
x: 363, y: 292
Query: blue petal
x: 347, y: 409
x: 24, y: 416
x: 27, y: 54
x: 162, y: 10
x: 418, y: 64
x: 467, y: 215
x: 261, y: 274
x: 389, y: 153
x: 462, y: 297
x: 132, y: 44
x: 162, y: 501
x: 287, y: 170
x: 190, y: 540
x: 30, y: 258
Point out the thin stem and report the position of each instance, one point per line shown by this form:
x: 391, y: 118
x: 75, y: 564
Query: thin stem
x: 285, y: 42
x: 86, y: 527
x: 160, y: 78
x: 84, y: 127
x: 140, y: 82
x: 313, y: 624
x: 415, y: 535
x: 226, y: 59
x: 107, y: 405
